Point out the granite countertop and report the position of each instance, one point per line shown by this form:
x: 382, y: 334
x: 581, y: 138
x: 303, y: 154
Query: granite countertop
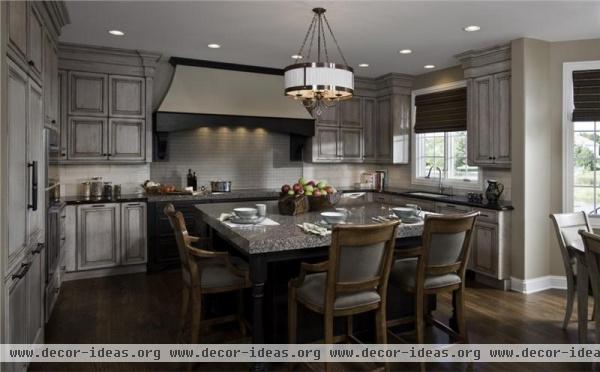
x: 71, y: 200
x: 287, y: 236
x: 234, y: 194
x: 452, y: 199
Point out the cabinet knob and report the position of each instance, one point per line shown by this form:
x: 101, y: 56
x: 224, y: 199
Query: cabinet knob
x: 53, y: 121
x: 490, y: 158
x: 31, y: 63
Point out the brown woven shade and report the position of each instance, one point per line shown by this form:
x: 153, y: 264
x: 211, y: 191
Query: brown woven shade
x: 586, y: 95
x: 441, y: 111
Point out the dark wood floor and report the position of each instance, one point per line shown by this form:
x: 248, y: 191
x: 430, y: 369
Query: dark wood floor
x: 143, y: 308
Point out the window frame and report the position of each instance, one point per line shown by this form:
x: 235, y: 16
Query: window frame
x: 434, y: 181
x: 569, y: 134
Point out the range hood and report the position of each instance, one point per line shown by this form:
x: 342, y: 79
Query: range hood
x: 214, y: 94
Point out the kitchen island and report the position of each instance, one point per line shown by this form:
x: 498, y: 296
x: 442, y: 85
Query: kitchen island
x: 272, y: 247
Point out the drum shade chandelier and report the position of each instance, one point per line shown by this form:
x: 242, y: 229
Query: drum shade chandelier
x: 323, y: 83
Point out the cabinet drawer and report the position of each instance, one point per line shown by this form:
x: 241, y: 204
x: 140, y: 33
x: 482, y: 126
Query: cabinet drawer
x: 487, y: 215
x: 446, y: 208
x: 382, y: 198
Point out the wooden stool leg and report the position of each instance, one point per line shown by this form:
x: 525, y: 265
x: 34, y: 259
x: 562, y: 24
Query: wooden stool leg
x: 571, y: 293
x: 419, y: 316
x: 349, y: 328
x: 185, y: 305
x: 328, y: 326
x: 196, y: 315
x: 381, y: 329
x: 460, y: 314
x: 292, y: 315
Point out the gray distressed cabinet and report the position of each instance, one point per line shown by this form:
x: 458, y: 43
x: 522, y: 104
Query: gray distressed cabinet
x: 107, y: 103
x: 105, y: 239
x: 488, y: 106
x: 372, y: 127
x: 98, y: 236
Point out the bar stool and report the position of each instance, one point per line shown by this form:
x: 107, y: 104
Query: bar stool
x: 437, y: 266
x: 353, y: 281
x: 205, y: 272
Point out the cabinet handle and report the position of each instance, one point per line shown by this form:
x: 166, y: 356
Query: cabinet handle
x: 38, y: 249
x: 484, y: 215
x: 63, y: 217
x: 53, y: 121
x: 98, y: 206
x: 63, y: 154
x: 34, y: 185
x: 133, y: 204
x: 490, y: 158
x: 63, y: 239
x: 23, y: 271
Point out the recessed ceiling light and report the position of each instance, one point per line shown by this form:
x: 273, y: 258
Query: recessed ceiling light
x: 296, y: 56
x: 429, y: 66
x: 363, y: 65
x: 472, y: 28
x: 214, y: 46
x: 116, y: 32
x: 405, y: 51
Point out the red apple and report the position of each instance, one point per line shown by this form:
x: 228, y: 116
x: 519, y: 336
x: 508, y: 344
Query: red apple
x: 301, y: 191
x: 317, y: 193
x: 285, y: 188
x: 297, y: 187
x: 311, y: 182
x: 329, y: 189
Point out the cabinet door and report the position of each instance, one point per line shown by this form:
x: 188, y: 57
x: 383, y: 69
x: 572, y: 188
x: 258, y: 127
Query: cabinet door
x: 126, y: 139
x: 133, y: 233
x: 17, y: 311
x: 329, y: 117
x: 62, y: 113
x: 50, y: 81
x: 98, y: 236
x: 383, y: 151
x: 484, y: 248
x: 351, y: 145
x: 402, y: 130
x: 17, y: 28
x: 351, y: 112
x: 35, y: 153
x: 369, y: 129
x: 127, y: 96
x: 35, y: 42
x: 35, y: 300
x: 87, y: 138
x: 327, y: 143
x: 88, y: 94
x: 502, y: 127
x: 17, y: 107
x: 480, y: 120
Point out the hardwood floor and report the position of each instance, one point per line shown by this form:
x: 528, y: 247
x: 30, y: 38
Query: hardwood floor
x: 142, y: 308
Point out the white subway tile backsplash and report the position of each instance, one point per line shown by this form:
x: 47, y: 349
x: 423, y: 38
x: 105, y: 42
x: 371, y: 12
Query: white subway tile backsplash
x: 130, y: 177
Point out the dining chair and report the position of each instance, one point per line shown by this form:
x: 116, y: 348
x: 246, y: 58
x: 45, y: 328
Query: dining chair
x: 352, y: 281
x: 567, y: 226
x: 205, y: 271
x: 591, y: 243
x: 437, y: 266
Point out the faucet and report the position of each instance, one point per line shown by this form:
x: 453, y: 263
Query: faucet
x: 441, y: 185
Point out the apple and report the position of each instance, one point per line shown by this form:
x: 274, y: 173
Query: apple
x: 329, y: 189
x: 323, y: 192
x: 311, y: 182
x: 285, y: 188
x: 309, y: 188
x: 308, y: 193
x: 297, y: 187
x: 290, y: 192
x: 302, y: 181
x: 301, y: 191
x: 317, y: 193
x: 322, y: 184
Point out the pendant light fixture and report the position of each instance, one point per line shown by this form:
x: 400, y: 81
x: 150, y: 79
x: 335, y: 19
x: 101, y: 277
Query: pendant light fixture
x: 321, y: 83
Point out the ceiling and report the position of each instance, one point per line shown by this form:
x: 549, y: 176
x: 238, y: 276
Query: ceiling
x: 268, y: 33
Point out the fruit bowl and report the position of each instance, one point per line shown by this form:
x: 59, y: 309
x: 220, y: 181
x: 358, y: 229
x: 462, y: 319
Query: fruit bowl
x: 319, y: 203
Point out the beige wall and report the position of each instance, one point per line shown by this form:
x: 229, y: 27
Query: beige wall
x: 437, y: 77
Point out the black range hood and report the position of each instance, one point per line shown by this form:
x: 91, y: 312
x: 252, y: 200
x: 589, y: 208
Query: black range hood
x: 213, y: 94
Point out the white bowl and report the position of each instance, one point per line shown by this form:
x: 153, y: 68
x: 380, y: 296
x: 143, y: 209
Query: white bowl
x: 333, y: 217
x: 404, y: 212
x: 245, y: 212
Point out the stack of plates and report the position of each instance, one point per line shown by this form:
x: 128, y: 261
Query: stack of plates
x: 415, y: 219
x: 247, y: 221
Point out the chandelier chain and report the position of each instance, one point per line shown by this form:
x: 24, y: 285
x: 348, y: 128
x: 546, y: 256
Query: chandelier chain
x: 319, y: 25
x: 312, y: 39
x: 324, y: 42
x: 306, y: 37
x: 335, y: 41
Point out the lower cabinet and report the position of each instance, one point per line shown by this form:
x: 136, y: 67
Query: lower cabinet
x: 484, y: 249
x: 133, y: 233
x: 107, y: 236
x: 98, y: 236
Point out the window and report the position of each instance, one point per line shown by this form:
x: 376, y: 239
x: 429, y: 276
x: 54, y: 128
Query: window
x: 444, y: 150
x: 581, y: 156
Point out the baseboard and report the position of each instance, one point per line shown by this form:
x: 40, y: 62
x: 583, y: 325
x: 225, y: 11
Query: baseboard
x: 98, y: 273
x: 539, y: 284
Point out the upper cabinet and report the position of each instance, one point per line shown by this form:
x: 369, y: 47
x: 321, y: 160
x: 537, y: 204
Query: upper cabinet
x: 107, y: 95
x: 488, y: 118
x: 17, y: 29
x: 372, y: 127
x: 35, y: 40
x: 88, y: 94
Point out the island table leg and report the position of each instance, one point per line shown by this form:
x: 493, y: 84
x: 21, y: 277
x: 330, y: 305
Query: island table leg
x: 258, y: 276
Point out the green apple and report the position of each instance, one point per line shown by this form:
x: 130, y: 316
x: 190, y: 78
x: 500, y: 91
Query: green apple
x: 290, y: 192
x: 322, y: 184
x: 302, y: 181
x: 308, y: 193
x: 323, y: 192
x: 309, y: 188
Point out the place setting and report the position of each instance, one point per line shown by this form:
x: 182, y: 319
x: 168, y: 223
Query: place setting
x: 247, y: 217
x: 327, y: 220
x: 409, y: 214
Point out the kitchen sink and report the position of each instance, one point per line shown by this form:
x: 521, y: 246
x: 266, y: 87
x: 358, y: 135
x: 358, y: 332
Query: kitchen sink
x: 428, y: 194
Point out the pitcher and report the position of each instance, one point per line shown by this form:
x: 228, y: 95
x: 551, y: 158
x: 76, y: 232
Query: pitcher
x: 493, y: 191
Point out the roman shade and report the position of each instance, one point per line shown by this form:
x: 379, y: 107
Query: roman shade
x: 444, y: 111
x: 586, y: 95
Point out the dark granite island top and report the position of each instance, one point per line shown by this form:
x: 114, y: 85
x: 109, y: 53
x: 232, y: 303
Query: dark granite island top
x: 287, y: 235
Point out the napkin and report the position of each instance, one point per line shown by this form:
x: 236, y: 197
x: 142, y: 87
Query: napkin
x: 314, y: 229
x: 225, y: 216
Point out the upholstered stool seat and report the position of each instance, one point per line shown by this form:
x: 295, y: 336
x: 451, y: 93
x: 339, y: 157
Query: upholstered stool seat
x: 313, y: 290
x: 404, y: 273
